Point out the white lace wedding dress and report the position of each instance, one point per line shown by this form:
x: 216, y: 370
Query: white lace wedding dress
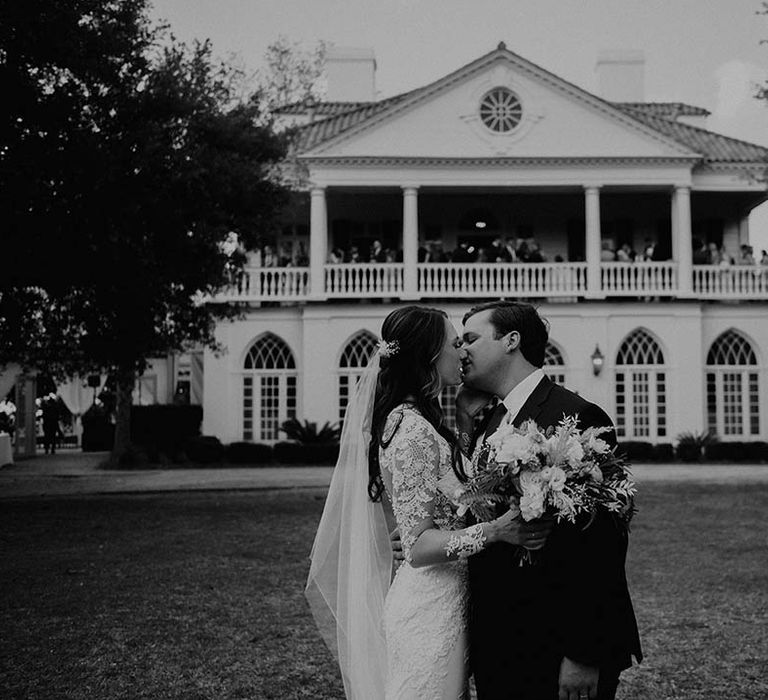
x: 425, y: 613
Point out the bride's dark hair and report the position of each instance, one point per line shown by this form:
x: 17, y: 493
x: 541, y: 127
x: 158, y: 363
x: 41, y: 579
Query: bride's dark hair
x: 408, y: 376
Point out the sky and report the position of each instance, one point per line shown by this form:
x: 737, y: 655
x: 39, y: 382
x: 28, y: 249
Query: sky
x: 703, y: 52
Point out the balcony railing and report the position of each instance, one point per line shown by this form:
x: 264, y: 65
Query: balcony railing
x: 483, y: 280
x: 495, y: 279
x: 633, y: 278
x: 732, y: 282
x: 269, y: 284
x: 368, y: 280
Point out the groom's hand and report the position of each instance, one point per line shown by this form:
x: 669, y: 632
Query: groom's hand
x: 577, y: 681
x: 397, y: 546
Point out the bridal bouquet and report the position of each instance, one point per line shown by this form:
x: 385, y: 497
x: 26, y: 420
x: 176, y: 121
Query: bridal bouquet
x: 562, y: 473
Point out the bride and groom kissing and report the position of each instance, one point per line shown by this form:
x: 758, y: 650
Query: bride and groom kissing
x: 561, y: 628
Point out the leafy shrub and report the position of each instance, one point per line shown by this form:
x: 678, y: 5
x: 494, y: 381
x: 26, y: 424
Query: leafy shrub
x: 691, y: 446
x: 663, y: 452
x: 248, y: 453
x: 204, y: 449
x: 307, y: 433
x: 98, y: 431
x: 756, y: 451
x: 636, y: 450
x: 295, y: 453
x: 164, y: 429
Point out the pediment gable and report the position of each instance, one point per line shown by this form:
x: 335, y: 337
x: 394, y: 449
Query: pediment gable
x: 443, y: 120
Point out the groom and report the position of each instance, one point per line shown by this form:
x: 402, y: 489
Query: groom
x: 562, y: 628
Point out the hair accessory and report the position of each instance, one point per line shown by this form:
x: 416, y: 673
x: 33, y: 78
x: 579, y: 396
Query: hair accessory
x: 388, y: 349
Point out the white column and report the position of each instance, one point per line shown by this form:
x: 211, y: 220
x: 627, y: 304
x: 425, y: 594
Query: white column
x: 318, y: 243
x: 592, y: 211
x: 410, y: 243
x: 684, y: 246
x: 675, y: 236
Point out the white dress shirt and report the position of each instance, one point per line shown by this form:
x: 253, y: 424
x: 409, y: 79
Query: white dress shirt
x: 516, y: 398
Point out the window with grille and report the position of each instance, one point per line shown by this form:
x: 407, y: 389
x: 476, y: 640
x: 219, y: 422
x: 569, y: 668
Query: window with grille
x: 354, y: 359
x: 501, y: 110
x: 269, y: 388
x: 554, y: 364
x: 640, y: 386
x: 732, y: 387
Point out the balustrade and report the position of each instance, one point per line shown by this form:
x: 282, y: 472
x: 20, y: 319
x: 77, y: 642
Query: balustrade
x: 502, y: 279
x: 269, y: 284
x: 365, y: 280
x: 731, y: 282
x: 639, y: 278
x: 482, y: 280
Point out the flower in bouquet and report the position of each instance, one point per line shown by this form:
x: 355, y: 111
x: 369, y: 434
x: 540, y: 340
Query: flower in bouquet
x: 561, y: 472
x: 7, y: 416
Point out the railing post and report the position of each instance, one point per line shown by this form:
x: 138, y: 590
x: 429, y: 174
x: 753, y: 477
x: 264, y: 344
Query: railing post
x: 684, y: 247
x: 410, y: 243
x: 593, y: 239
x: 318, y: 243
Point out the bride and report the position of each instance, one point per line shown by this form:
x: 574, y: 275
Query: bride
x: 407, y: 640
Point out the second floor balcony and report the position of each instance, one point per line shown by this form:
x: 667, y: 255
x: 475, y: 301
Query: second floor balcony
x: 552, y: 280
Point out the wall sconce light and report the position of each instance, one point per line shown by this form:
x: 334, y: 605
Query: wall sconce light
x: 597, y: 361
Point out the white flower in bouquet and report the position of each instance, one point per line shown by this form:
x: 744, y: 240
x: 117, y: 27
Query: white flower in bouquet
x: 592, y: 443
x: 554, y: 477
x: 509, y: 446
x: 534, y: 495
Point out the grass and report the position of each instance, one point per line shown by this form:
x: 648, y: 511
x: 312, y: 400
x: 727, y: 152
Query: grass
x: 200, y: 596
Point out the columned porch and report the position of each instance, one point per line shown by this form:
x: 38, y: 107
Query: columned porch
x: 436, y: 243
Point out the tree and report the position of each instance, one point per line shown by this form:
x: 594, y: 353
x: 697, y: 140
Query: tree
x: 292, y: 74
x: 126, y: 164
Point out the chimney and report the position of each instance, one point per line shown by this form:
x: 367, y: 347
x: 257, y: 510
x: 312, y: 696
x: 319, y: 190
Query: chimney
x: 621, y: 76
x: 350, y: 74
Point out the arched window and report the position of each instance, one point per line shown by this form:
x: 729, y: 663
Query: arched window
x: 269, y: 388
x: 641, y: 393
x: 554, y: 364
x: 733, y: 387
x: 354, y: 359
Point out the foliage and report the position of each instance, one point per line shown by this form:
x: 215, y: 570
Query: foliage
x: 691, y: 446
x: 307, y: 433
x: 248, y: 453
x: 291, y: 74
x: 125, y: 167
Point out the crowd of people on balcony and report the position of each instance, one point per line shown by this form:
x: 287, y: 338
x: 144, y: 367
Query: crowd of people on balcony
x: 509, y: 250
x: 714, y: 254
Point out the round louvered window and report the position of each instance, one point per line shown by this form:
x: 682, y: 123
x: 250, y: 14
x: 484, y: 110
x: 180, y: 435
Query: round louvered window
x: 501, y: 110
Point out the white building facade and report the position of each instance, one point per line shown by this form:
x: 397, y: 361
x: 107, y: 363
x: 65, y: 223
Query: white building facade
x: 503, y: 150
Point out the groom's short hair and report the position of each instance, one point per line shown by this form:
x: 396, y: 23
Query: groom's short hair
x: 508, y: 316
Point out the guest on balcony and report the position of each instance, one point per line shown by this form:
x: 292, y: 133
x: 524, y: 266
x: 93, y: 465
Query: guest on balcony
x: 764, y: 258
x: 463, y: 254
x: 700, y: 252
x: 353, y: 256
x: 336, y: 256
x: 498, y: 252
x: 378, y: 254
x: 511, y: 248
x: 607, y: 253
x: 746, y: 256
x: 626, y: 253
x: 270, y: 258
x: 534, y: 253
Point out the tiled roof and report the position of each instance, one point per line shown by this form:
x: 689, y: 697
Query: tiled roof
x: 339, y: 117
x: 714, y: 147
x: 667, y: 110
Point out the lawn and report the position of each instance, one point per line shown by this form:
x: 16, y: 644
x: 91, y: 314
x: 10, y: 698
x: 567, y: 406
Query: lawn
x: 200, y: 596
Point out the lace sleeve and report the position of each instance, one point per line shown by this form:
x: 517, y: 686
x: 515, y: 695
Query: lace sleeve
x: 415, y: 465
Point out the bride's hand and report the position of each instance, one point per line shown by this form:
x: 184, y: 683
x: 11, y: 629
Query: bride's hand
x: 512, y: 529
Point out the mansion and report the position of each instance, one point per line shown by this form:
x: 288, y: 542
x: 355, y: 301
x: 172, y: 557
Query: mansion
x: 503, y: 150
x: 401, y: 199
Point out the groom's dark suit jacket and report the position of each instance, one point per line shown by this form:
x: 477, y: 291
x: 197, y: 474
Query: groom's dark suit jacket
x: 573, y: 602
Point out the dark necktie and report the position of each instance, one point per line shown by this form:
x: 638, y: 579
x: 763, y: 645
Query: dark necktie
x: 496, y: 417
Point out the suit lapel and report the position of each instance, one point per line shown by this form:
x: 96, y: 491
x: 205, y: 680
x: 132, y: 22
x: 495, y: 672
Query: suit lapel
x: 533, y: 406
